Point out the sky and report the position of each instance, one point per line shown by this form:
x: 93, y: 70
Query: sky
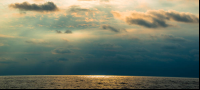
x: 100, y: 37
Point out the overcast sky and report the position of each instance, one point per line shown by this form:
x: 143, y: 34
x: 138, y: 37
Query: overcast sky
x: 99, y: 37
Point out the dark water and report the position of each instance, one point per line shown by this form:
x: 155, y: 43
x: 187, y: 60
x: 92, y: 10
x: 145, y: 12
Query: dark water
x: 96, y: 82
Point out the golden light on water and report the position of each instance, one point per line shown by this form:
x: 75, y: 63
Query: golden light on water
x: 97, y: 76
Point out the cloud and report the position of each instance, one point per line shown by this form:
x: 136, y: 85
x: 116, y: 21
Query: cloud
x: 154, y: 24
x: 118, y: 57
x: 113, y: 29
x: 26, y: 59
x: 46, y: 7
x: 61, y: 51
x: 104, y: 0
x: 141, y: 19
x: 62, y: 59
x: 105, y: 27
x: 65, y: 39
x: 57, y: 31
x: 38, y: 0
x: 155, y: 18
x: 123, y: 57
x: 194, y: 51
x: 1, y: 44
x: 174, y: 15
x: 182, y: 17
x: 76, y: 8
x: 96, y: 0
x: 107, y: 46
x: 196, y: 57
x: 134, y: 38
x: 173, y: 38
x: 37, y: 41
x: 141, y: 50
x: 6, y: 61
x: 171, y: 46
x: 174, y: 55
x: 160, y: 59
x: 6, y: 36
x: 86, y: 0
x: 68, y: 31
x: 169, y: 37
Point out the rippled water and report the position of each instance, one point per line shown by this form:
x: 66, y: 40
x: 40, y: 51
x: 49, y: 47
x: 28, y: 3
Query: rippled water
x: 96, y: 82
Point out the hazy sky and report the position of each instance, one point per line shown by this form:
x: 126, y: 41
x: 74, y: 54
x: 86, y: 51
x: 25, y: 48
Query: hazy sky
x: 99, y: 37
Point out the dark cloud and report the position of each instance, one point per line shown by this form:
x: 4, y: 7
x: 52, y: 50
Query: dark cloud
x: 107, y: 27
x: 182, y: 17
x: 174, y: 15
x: 68, y: 31
x: 46, y: 7
x: 117, y: 57
x: 141, y: 50
x: 194, y: 51
x: 63, y: 59
x: 76, y: 8
x: 154, y: 24
x: 174, y: 55
x: 155, y: 18
x: 26, y: 59
x: 61, y: 51
x: 57, y: 31
x: 123, y: 57
x: 171, y: 46
x: 159, y: 59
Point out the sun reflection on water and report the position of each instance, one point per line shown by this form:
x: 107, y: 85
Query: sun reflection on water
x: 98, y: 76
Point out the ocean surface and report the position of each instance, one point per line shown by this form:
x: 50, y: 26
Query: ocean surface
x: 96, y: 82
